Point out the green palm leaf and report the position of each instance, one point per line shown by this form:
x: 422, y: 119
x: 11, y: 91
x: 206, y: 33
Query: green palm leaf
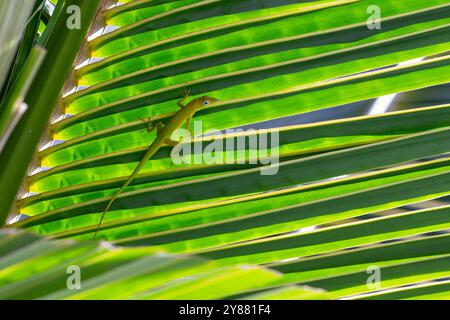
x: 334, y: 208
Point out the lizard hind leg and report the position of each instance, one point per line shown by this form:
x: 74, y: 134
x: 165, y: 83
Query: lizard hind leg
x: 150, y: 127
x: 171, y: 143
x: 148, y: 123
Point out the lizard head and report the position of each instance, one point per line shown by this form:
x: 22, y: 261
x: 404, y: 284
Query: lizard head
x: 206, y: 101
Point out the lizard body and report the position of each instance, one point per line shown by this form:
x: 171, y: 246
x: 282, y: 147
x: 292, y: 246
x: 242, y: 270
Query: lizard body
x: 163, y: 138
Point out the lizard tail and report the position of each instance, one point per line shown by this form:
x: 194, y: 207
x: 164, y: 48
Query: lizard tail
x: 141, y: 164
x: 108, y: 207
x: 131, y: 178
x: 103, y: 216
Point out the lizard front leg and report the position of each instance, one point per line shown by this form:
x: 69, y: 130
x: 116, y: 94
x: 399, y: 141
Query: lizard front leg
x: 188, y: 126
x: 159, y: 127
x: 187, y: 94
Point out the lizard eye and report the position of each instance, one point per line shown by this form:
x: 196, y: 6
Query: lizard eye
x: 205, y: 103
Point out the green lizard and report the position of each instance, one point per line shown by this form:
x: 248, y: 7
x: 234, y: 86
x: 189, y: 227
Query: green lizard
x: 163, y: 138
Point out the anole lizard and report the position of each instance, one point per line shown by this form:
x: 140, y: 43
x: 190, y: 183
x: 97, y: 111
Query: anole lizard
x: 163, y: 138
